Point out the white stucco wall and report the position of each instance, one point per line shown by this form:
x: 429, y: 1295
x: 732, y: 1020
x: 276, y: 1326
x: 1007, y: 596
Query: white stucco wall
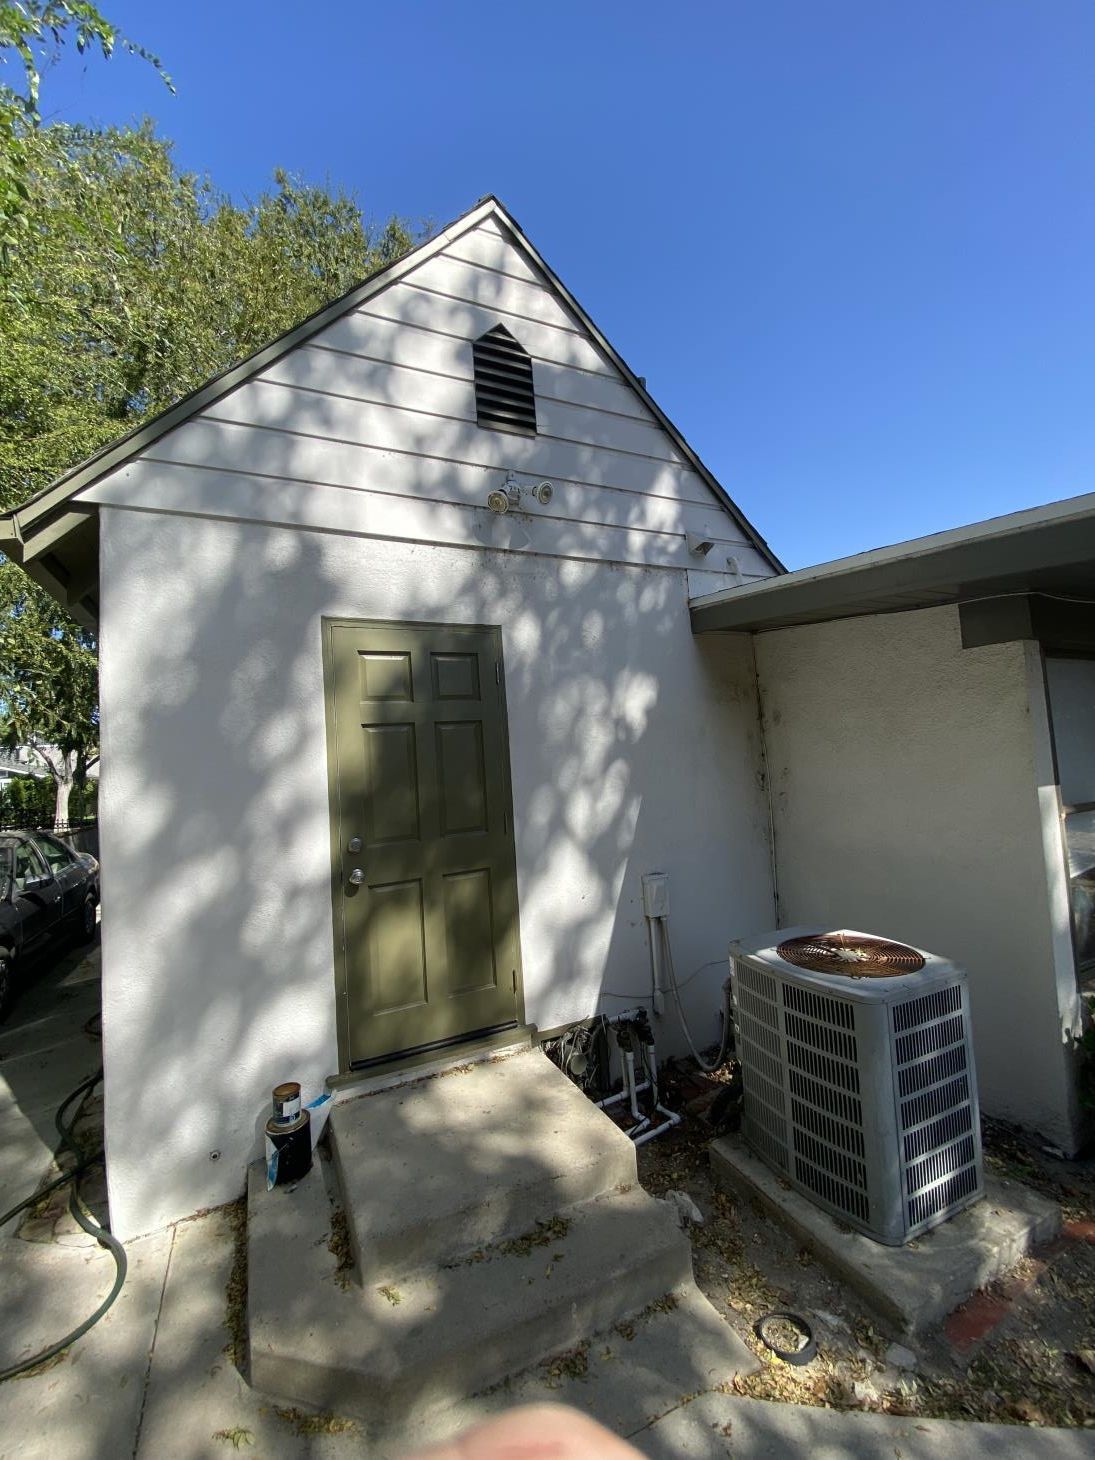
x: 913, y: 796
x: 634, y: 747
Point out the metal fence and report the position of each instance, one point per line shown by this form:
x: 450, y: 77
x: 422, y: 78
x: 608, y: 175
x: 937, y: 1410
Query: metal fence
x: 81, y: 836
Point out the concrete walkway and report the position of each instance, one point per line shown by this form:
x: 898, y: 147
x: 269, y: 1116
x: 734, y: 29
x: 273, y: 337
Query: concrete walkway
x: 45, y: 1052
x: 154, y: 1379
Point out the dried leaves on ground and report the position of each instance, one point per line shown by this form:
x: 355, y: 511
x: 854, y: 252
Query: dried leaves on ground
x: 1030, y: 1369
x: 339, y: 1245
x: 235, y: 1292
x: 306, y: 1422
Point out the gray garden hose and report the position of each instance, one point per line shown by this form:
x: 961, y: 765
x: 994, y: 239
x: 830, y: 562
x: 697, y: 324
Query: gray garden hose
x: 83, y: 1217
x: 727, y: 1034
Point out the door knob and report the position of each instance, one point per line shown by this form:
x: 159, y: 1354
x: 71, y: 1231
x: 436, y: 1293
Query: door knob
x: 357, y: 876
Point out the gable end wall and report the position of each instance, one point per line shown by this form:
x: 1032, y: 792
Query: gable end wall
x: 370, y: 427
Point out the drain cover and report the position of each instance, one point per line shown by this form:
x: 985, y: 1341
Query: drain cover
x: 852, y: 955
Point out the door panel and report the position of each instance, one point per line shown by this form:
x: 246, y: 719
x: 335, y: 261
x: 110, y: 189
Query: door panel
x: 461, y: 777
x: 391, y: 769
x: 469, y: 930
x: 455, y: 676
x: 397, y: 947
x: 36, y: 895
x: 386, y: 677
x: 426, y: 909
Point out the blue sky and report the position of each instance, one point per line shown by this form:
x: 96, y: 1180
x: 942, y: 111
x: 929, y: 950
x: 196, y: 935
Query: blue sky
x: 849, y: 244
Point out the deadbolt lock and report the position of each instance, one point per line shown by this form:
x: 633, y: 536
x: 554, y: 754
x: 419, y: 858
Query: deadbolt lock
x: 354, y: 844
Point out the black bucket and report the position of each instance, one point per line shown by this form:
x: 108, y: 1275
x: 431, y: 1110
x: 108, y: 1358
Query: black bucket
x: 293, y: 1145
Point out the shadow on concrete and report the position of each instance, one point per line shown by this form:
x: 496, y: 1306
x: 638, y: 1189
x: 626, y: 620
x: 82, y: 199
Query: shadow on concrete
x: 48, y: 1044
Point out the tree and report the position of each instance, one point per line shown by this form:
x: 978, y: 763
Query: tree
x: 49, y: 686
x: 134, y: 283
x: 32, y: 33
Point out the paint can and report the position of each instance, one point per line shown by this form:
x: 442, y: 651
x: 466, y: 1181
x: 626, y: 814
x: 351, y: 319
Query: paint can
x: 286, y: 1103
x: 289, y: 1148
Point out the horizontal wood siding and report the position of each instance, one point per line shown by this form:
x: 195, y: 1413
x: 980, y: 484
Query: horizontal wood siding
x: 330, y: 418
x: 492, y: 251
x: 500, y: 293
x: 371, y: 338
x: 238, y: 496
x: 371, y: 427
x: 314, y: 468
x: 405, y: 303
x: 407, y: 389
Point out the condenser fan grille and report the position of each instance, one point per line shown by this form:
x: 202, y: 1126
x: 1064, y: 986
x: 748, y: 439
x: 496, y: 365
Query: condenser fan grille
x: 853, y: 955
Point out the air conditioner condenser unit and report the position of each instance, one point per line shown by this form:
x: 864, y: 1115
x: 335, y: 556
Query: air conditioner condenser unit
x: 858, y: 1075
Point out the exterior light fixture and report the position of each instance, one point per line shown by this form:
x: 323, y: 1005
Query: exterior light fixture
x: 501, y: 502
x: 501, y: 499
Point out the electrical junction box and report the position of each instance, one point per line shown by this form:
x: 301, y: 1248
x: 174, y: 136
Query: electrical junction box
x: 655, y: 894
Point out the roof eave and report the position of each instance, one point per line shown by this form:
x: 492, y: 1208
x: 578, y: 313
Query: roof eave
x: 116, y: 453
x: 1043, y: 550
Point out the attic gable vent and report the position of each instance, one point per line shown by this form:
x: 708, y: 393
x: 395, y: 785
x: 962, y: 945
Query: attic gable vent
x: 504, y: 397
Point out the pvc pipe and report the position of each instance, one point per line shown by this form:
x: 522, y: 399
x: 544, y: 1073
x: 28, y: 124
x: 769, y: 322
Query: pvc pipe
x: 622, y: 1094
x: 641, y: 1130
x: 628, y: 1016
x: 629, y: 1061
x: 672, y: 1118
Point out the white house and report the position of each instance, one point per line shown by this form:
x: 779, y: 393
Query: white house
x: 384, y: 766
x: 18, y: 764
x: 314, y: 629
x: 929, y: 726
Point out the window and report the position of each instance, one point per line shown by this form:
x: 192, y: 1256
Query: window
x: 29, y: 867
x: 504, y: 396
x: 1072, y: 710
x: 55, y: 852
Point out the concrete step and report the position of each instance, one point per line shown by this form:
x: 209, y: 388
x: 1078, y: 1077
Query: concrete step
x: 627, y: 1377
x: 392, y: 1351
x: 439, y: 1167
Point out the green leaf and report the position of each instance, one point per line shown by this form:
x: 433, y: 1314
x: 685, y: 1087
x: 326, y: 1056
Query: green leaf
x: 126, y: 284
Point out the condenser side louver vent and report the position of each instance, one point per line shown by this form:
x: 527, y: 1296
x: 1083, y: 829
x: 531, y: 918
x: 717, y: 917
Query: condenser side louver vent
x: 941, y: 1150
x: 827, y: 1133
x: 758, y: 1018
x: 504, y: 395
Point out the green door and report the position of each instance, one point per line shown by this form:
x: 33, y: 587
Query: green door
x: 424, y: 876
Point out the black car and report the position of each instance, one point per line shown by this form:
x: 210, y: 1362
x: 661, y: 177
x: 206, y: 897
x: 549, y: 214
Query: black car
x: 48, y: 893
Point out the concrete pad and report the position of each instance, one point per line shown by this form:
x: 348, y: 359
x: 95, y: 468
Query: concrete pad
x: 86, y: 1405
x: 915, y: 1286
x: 388, y: 1353
x: 44, y: 1054
x: 196, y: 1396
x: 445, y: 1165
x: 718, y: 1426
x: 640, y: 1370
x: 24, y: 1159
x: 626, y: 1378
x: 195, y: 1400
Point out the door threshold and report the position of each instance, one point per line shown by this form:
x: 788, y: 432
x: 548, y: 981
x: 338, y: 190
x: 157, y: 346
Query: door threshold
x: 401, y: 1070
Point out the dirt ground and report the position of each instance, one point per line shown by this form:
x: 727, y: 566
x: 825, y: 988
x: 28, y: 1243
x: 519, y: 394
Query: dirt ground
x: 1036, y: 1365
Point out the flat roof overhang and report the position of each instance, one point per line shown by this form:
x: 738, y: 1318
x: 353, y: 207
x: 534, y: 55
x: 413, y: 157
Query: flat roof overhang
x: 1045, y: 554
